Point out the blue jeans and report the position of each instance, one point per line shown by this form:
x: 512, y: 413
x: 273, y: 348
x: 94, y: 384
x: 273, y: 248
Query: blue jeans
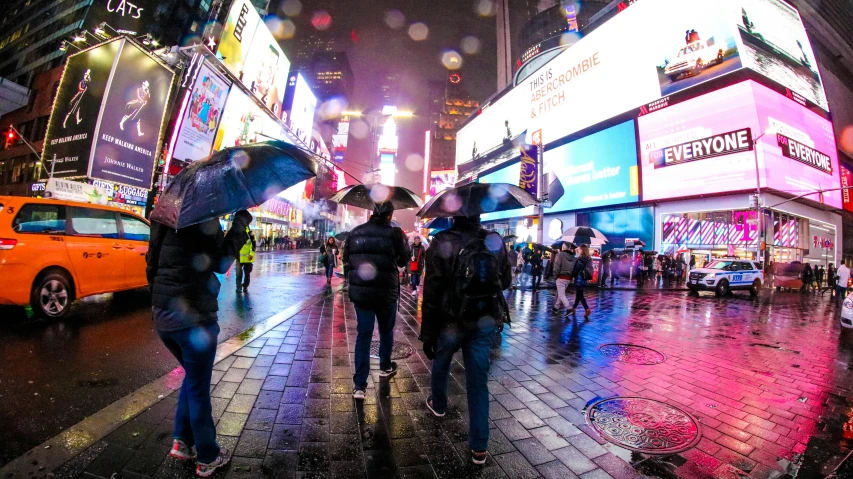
x: 330, y: 269
x: 416, y: 280
x: 475, y: 344
x: 386, y: 316
x: 840, y: 295
x: 195, y: 349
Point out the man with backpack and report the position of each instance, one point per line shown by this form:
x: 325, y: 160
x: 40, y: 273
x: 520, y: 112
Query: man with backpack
x: 467, y: 270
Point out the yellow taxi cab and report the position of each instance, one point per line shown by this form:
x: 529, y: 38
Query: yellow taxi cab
x: 55, y: 251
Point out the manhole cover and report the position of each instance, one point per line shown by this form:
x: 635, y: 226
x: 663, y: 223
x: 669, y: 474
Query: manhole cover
x: 644, y: 425
x: 398, y: 351
x: 632, y: 354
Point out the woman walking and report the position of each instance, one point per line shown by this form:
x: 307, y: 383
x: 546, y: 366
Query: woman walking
x: 564, y: 266
x: 582, y: 273
x: 416, y: 264
x: 329, y: 252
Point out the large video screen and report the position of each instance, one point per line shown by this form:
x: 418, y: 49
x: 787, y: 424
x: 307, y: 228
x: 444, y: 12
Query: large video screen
x: 251, y: 52
x: 704, y: 146
x: 129, y: 128
x: 300, y: 103
x: 774, y: 43
x: 597, y: 170
x: 646, y: 53
x: 244, y: 122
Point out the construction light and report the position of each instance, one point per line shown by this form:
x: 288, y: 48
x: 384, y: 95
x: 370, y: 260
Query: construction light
x: 79, y: 38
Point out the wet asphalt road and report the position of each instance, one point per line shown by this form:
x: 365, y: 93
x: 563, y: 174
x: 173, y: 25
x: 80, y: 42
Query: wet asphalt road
x: 55, y: 373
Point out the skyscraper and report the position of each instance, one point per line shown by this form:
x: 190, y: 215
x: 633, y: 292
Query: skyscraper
x: 504, y: 44
x: 450, y: 107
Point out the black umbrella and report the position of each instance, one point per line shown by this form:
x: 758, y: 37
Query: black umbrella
x: 559, y: 244
x: 475, y: 199
x: 230, y: 180
x: 584, y: 235
x: 508, y: 238
x: 370, y: 197
x: 439, y: 224
x: 342, y: 236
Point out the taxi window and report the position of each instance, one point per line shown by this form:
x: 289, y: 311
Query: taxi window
x: 93, y: 223
x: 135, y: 229
x: 40, y: 219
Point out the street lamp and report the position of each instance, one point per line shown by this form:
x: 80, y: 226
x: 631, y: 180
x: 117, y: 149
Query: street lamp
x: 758, y: 216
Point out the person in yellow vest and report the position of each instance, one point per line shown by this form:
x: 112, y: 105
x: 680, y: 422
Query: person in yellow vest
x: 247, y: 258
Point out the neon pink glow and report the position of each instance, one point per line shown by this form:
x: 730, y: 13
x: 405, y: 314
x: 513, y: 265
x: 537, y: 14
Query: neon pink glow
x: 426, y: 162
x: 176, y: 132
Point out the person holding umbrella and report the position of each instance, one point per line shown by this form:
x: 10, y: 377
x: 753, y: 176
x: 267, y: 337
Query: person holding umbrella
x: 467, y: 270
x: 564, y: 268
x: 582, y: 274
x: 374, y: 253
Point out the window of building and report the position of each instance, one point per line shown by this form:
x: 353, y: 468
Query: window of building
x: 93, y: 223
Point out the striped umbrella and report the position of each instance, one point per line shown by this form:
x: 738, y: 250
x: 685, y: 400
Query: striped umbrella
x: 584, y: 235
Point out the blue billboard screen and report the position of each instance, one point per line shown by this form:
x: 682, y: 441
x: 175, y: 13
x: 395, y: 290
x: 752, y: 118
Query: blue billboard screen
x: 597, y: 170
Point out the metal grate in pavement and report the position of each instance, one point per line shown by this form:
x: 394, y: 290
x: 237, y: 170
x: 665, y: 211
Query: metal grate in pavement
x: 632, y: 354
x: 398, y: 351
x: 644, y: 425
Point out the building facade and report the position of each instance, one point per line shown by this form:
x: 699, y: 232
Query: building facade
x: 450, y: 107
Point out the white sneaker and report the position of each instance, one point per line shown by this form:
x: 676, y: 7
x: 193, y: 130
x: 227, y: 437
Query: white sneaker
x: 205, y: 470
x: 358, y: 393
x: 414, y: 292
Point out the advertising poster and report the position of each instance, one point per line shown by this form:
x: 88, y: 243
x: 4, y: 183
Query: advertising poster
x: 597, y: 170
x: 244, y: 122
x: 697, y: 147
x: 129, y: 130
x: 300, y: 104
x: 237, y: 34
x: 643, y: 55
x: 265, y: 71
x: 123, y: 16
x: 440, y: 180
x: 75, y: 111
x: 775, y: 44
x: 846, y: 182
x: 528, y: 176
x: 203, y: 114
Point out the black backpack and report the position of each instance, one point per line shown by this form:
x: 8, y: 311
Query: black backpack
x: 477, y: 289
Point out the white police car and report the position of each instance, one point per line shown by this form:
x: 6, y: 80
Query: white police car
x: 724, y: 275
x: 847, y: 312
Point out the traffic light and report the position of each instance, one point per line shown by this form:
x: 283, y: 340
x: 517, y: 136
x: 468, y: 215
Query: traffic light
x: 9, y: 138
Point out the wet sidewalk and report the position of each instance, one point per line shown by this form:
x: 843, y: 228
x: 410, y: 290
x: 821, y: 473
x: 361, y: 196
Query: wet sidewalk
x: 656, y: 384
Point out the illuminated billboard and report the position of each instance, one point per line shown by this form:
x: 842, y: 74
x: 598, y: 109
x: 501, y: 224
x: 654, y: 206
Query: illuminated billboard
x: 597, y: 170
x: 645, y: 53
x: 202, y: 114
x: 244, y: 122
x: 440, y: 180
x: 705, y: 145
x: 300, y: 103
x: 131, y: 18
x: 249, y: 51
x: 340, y: 139
x: 128, y: 131
x: 108, y: 114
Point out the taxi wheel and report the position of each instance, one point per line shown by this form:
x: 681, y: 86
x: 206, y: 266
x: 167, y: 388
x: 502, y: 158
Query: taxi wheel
x: 722, y: 288
x: 756, y: 286
x: 52, y: 295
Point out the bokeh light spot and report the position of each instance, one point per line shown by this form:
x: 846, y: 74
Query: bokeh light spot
x: 418, y: 31
x: 280, y: 29
x: 450, y: 202
x: 846, y: 140
x: 358, y: 128
x: 570, y: 38
x: 395, y: 19
x: 379, y: 193
x: 291, y: 8
x: 488, y: 204
x: 485, y: 8
x: 471, y: 45
x: 366, y: 271
x: 451, y: 59
x: 321, y: 20
x: 415, y: 162
x: 332, y: 107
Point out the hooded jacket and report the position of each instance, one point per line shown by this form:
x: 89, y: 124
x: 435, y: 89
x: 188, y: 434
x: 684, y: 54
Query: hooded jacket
x: 373, y: 253
x: 564, y: 264
x: 438, y: 280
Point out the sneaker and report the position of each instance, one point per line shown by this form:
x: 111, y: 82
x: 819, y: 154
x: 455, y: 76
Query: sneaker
x: 570, y: 311
x: 180, y: 450
x: 478, y: 457
x: 357, y: 393
x: 429, y: 406
x: 387, y: 373
x: 414, y: 292
x: 205, y: 470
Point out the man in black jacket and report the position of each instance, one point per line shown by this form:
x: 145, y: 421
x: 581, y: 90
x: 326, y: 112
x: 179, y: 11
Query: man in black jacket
x: 443, y: 335
x: 374, y: 252
x: 180, y: 269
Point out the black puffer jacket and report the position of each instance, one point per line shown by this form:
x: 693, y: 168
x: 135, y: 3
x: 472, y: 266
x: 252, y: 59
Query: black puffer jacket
x: 373, y: 253
x: 438, y: 280
x: 182, y: 263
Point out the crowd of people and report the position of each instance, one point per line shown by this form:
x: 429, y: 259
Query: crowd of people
x: 274, y: 243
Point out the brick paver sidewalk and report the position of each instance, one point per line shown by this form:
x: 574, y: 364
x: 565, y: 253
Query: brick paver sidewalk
x: 756, y: 377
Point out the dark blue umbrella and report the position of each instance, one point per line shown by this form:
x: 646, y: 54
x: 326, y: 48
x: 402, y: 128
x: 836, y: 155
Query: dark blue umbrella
x: 439, y: 224
x: 230, y: 180
x: 475, y: 199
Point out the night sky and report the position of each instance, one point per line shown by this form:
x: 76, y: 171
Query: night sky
x: 378, y: 47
